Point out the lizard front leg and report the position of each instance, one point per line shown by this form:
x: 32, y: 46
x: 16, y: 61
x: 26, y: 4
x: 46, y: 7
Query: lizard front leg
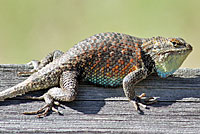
x: 128, y: 86
x: 66, y: 92
x: 40, y: 64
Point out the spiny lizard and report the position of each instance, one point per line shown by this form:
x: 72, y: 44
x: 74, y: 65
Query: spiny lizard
x: 106, y: 59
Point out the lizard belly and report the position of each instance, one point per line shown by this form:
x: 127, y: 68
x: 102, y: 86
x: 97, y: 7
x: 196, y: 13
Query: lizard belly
x: 104, y: 80
x: 108, y: 76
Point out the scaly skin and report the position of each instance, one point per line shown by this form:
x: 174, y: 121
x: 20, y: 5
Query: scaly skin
x: 105, y: 59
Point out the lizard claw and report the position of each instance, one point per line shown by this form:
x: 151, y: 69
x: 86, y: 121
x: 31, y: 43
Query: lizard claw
x: 146, y: 100
x: 143, y: 101
x: 49, y: 106
x: 42, y: 112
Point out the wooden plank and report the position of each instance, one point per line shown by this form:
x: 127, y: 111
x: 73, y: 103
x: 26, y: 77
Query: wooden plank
x: 106, y: 116
x: 106, y: 110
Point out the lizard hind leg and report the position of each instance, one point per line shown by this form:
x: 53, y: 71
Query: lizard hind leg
x: 66, y: 92
x: 40, y: 64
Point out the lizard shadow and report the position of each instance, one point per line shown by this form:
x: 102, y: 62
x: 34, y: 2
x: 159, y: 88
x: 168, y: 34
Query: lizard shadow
x: 90, y: 99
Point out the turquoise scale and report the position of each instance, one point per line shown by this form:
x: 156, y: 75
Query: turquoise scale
x: 105, y: 81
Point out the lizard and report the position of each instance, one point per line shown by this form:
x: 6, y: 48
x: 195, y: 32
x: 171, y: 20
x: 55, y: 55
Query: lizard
x: 108, y: 59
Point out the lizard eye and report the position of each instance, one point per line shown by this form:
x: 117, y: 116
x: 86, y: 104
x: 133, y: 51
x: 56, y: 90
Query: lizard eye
x: 178, y: 44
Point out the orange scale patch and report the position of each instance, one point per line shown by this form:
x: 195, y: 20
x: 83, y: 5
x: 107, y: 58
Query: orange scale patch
x: 102, y: 69
x: 113, y: 69
x: 131, y: 60
x: 116, y: 67
x: 116, y: 71
x: 133, y: 69
x: 108, y: 74
x: 120, y: 61
x: 139, y: 57
x: 122, y: 73
x: 97, y: 62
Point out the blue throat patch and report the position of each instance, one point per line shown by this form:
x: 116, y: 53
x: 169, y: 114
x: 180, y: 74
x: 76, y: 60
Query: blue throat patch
x: 164, y: 74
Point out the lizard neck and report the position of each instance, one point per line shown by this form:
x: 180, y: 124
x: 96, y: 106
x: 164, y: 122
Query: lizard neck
x: 147, y: 46
x: 147, y: 56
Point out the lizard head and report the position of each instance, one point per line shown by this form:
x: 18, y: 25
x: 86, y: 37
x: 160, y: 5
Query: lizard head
x: 169, y: 54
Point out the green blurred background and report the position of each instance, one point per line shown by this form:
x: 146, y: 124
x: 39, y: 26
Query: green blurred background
x: 30, y: 29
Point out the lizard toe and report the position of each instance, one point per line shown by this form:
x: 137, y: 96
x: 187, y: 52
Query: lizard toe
x: 146, y: 100
x: 44, y: 111
x: 50, y: 106
x: 143, y: 101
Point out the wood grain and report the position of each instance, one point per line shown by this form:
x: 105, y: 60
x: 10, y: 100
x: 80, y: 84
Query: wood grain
x: 106, y: 110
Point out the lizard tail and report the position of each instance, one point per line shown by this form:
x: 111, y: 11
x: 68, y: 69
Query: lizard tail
x: 16, y: 90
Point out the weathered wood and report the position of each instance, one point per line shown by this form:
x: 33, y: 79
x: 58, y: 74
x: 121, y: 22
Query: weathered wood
x: 106, y: 110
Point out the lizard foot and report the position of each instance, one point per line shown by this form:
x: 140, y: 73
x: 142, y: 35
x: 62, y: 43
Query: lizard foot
x: 48, y: 107
x: 42, y: 112
x: 143, y: 101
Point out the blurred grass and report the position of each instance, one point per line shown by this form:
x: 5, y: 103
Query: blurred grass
x: 30, y: 29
